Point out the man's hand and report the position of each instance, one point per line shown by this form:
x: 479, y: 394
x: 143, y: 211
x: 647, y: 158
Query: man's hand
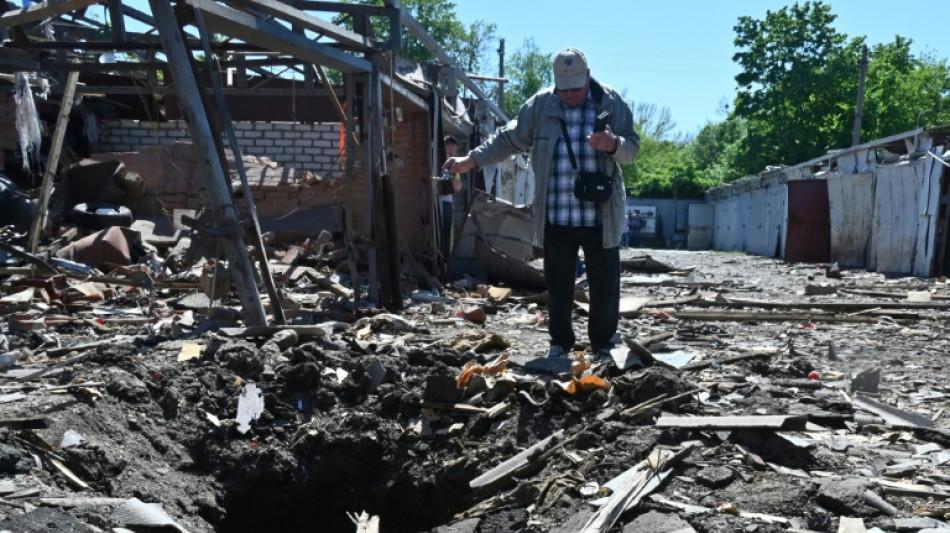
x: 459, y: 165
x: 604, y: 141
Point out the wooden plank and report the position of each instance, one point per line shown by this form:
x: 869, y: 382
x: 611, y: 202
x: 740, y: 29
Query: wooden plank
x: 273, y: 36
x: 699, y: 365
x: 281, y: 10
x: 751, y: 316
x: 891, y: 414
x: 736, y: 303
x: 71, y: 478
x: 771, y: 422
x: 42, y: 11
x: 637, y: 483
x: 267, y: 331
x: 209, y: 164
x: 512, y: 465
x: 52, y: 161
x: 258, y: 243
x: 30, y: 422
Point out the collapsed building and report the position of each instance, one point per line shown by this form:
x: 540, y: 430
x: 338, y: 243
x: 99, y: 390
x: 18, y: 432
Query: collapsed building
x: 354, y: 157
x: 139, y: 392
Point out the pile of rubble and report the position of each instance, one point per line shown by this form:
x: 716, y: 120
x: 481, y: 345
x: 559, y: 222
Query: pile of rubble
x: 763, y: 397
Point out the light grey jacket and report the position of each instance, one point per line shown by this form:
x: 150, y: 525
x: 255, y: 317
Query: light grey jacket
x: 538, y: 128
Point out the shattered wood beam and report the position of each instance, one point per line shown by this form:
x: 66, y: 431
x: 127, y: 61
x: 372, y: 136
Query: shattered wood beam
x: 371, y: 190
x: 273, y: 36
x: 276, y: 298
x: 348, y: 38
x: 52, y: 160
x: 891, y: 415
x: 775, y: 423
x: 171, y: 90
x: 352, y: 9
x: 638, y: 482
x: 512, y: 465
x: 14, y: 60
x: 30, y: 422
x: 699, y: 365
x: 42, y: 11
x: 736, y: 303
x: 750, y: 316
x: 427, y: 41
x: 140, y: 16
x: 209, y: 163
x: 116, y: 20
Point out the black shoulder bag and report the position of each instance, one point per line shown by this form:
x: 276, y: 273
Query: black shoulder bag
x: 589, y: 186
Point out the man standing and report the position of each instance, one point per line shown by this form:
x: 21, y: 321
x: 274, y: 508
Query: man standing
x: 636, y: 224
x: 562, y: 223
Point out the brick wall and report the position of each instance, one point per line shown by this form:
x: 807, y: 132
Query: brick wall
x: 163, y: 155
x: 311, y: 147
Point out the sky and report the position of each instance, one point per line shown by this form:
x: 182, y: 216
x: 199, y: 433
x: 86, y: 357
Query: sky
x: 678, y: 53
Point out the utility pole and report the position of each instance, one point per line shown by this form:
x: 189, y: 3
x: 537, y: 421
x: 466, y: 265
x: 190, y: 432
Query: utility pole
x: 501, y: 73
x: 859, y: 110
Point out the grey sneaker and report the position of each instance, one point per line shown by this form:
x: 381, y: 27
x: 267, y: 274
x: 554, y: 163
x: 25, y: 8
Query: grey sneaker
x: 603, y: 354
x: 557, y: 352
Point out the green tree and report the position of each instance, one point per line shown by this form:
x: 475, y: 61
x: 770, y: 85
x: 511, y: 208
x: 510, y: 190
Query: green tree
x: 466, y: 45
x: 652, y: 121
x: 715, y: 150
x: 903, y: 90
x: 792, y: 85
x: 529, y: 71
x: 664, y: 169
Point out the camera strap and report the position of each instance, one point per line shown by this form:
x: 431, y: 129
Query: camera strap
x: 567, y: 140
x: 570, y: 148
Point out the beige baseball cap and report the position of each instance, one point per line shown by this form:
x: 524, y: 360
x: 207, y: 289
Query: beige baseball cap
x: 570, y: 69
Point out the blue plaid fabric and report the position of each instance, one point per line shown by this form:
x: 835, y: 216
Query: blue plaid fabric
x: 564, y: 209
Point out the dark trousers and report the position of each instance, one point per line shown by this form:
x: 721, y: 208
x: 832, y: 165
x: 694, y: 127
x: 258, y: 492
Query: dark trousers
x: 561, y: 244
x: 446, y: 214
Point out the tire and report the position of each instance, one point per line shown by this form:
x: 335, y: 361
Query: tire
x: 89, y: 216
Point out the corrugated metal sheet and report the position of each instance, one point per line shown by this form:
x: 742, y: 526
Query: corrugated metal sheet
x: 756, y: 241
x: 809, y: 227
x: 727, y: 235
x: 895, y: 219
x: 850, y: 204
x: 702, y: 218
x: 744, y: 209
x: 930, y: 172
x: 764, y: 228
x: 778, y: 215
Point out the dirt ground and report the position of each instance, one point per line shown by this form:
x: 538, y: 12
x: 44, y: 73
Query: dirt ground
x: 365, y: 413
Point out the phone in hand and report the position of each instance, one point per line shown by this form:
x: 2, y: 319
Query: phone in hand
x: 602, y: 119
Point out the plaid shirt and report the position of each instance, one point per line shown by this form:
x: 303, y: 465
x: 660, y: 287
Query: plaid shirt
x: 564, y: 209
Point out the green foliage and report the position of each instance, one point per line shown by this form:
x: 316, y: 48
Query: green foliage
x: 715, y: 150
x: 904, y: 91
x: 467, y: 46
x: 664, y: 169
x: 798, y: 89
x: 795, y: 74
x: 529, y: 71
x: 651, y: 121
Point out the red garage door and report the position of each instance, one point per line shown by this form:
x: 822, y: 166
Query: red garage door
x: 809, y: 222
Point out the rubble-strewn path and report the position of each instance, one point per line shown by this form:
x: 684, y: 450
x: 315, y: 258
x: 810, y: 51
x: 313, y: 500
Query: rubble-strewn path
x: 775, y: 397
